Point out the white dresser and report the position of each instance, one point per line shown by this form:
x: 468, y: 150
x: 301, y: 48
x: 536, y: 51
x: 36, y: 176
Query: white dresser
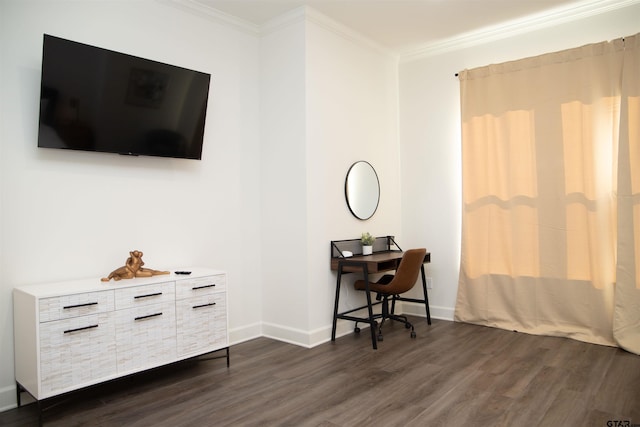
x: 73, y: 334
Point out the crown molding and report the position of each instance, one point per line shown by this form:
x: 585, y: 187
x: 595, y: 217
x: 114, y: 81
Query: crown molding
x: 501, y: 31
x: 202, y: 10
x: 309, y: 14
x: 512, y: 28
x: 299, y: 14
x: 329, y: 24
x: 282, y: 21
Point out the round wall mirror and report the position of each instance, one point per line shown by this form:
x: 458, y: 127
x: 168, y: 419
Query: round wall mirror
x: 362, y: 190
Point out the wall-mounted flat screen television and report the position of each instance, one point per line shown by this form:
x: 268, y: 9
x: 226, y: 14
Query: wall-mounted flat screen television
x: 96, y: 99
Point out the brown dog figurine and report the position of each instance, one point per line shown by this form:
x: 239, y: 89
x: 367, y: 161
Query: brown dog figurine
x: 132, y: 268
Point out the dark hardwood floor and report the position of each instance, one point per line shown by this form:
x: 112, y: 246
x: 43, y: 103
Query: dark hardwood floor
x: 452, y: 374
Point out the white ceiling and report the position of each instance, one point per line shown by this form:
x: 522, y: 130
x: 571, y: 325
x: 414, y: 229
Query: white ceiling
x: 406, y: 25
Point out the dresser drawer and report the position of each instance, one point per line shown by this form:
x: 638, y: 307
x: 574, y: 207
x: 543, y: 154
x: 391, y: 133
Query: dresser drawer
x: 74, y: 305
x: 188, y: 288
x: 146, y: 336
x: 76, y: 351
x: 143, y: 295
x: 201, y: 323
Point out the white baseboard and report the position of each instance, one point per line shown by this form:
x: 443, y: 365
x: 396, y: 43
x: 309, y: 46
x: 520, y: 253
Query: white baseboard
x: 322, y: 335
x: 285, y: 334
x: 437, y: 312
x: 290, y: 335
x: 8, y: 398
x: 246, y: 333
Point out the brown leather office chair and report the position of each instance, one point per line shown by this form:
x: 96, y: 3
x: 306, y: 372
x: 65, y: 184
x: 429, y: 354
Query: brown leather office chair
x: 391, y: 286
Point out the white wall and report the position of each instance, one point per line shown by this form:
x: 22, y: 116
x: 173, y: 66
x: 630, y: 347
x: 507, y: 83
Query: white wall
x: 328, y: 100
x: 70, y: 215
x: 430, y: 134
x: 352, y: 111
x: 284, y: 211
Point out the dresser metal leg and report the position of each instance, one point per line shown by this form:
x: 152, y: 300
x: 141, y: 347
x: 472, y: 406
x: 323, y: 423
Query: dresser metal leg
x: 18, y: 390
x: 39, y: 413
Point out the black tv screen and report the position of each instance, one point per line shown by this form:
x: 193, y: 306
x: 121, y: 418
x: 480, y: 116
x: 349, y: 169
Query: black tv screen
x: 96, y: 99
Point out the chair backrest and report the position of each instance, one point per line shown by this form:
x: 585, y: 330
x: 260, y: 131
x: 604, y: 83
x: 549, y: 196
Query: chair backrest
x: 407, y: 272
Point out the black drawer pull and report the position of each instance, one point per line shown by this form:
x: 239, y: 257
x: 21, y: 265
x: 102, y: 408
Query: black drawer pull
x: 67, y: 307
x: 148, y: 295
x: 202, y: 287
x: 148, y: 316
x: 203, y: 305
x: 80, y: 329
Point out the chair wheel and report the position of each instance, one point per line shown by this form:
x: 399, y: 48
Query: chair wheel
x: 380, y: 337
x: 413, y: 334
x: 356, y: 330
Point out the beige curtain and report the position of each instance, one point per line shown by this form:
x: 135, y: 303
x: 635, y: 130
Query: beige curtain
x: 541, y: 215
x: 626, y: 321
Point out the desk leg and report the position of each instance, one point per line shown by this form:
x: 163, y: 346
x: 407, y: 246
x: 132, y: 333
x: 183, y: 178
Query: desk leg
x: 335, y: 306
x: 372, y: 323
x: 426, y: 297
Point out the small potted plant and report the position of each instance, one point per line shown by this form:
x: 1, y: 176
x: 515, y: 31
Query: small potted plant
x: 367, y: 243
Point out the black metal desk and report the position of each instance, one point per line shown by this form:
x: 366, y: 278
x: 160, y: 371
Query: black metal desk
x: 378, y: 262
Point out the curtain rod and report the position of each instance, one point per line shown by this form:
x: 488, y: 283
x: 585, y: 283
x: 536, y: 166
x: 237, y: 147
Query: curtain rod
x: 621, y: 38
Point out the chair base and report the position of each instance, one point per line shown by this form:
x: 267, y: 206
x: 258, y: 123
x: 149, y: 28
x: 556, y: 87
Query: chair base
x: 397, y: 318
x: 390, y: 316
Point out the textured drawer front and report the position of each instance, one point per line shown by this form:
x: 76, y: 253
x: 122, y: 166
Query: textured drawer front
x: 146, y: 336
x: 76, y: 351
x: 144, y: 295
x: 201, y: 323
x: 67, y: 306
x: 200, y: 286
